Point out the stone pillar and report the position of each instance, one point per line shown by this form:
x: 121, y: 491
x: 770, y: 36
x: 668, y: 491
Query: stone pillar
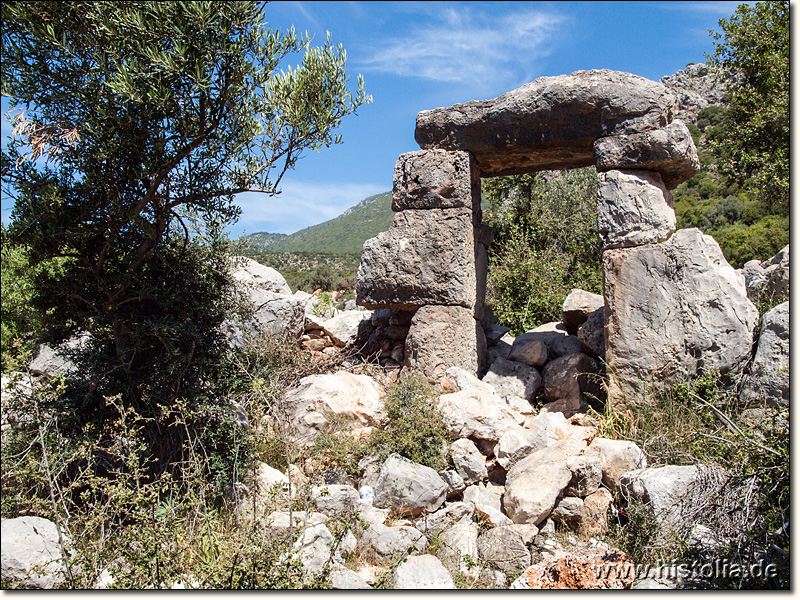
x: 674, y: 307
x: 426, y: 261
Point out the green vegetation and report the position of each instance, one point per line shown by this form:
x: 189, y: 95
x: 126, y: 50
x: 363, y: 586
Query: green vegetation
x: 545, y: 244
x: 345, y: 234
x: 151, y: 116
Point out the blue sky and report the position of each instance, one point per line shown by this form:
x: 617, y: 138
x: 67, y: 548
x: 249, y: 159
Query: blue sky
x: 420, y: 55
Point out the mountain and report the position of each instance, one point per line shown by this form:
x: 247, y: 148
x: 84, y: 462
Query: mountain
x: 344, y: 234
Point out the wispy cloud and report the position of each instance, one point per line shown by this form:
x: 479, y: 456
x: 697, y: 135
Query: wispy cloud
x: 299, y: 205
x: 723, y: 9
x: 466, y: 47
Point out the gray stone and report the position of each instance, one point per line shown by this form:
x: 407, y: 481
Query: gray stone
x: 534, y: 484
x: 587, y: 474
x: 633, y: 208
x: 754, y: 278
x: 388, y: 542
x: 345, y: 579
x: 555, y: 336
x: 674, y: 310
x: 474, y: 412
x: 513, y: 379
x: 408, y: 488
x: 670, y: 152
x: 495, y: 333
x: 592, y: 336
x: 516, y: 444
x: 436, y: 179
x: 616, y: 457
x: 447, y: 516
x: 344, y: 327
x: 459, y: 547
x: 555, y: 121
x: 442, y: 337
x: 249, y: 273
x: 422, y: 572
x: 426, y: 257
x: 529, y: 350
x: 572, y: 377
x: 468, y: 461
x: 457, y: 379
x: 332, y: 500
x: 577, y: 307
x: 504, y: 549
x: 568, y: 510
x: 769, y: 374
x: 455, y: 483
x: 776, y: 272
x: 275, y: 315
x: 31, y: 553
x: 356, y: 399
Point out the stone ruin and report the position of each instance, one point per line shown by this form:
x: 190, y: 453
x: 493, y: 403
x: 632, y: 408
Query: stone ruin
x: 674, y: 307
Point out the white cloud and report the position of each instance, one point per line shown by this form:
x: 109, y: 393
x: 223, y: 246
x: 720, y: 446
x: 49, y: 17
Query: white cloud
x: 299, y: 205
x: 464, y: 47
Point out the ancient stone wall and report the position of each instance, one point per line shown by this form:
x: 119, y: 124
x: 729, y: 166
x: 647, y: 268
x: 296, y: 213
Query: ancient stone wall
x: 666, y: 296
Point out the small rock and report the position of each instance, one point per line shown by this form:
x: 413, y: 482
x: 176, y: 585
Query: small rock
x: 422, y: 572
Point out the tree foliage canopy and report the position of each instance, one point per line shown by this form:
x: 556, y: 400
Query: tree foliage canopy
x: 137, y: 122
x: 753, y: 52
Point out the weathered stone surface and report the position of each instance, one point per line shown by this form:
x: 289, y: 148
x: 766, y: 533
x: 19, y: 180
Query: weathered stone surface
x: 357, y: 398
x: 459, y: 547
x: 616, y: 457
x: 436, y: 179
x: 670, y: 152
x: 633, y: 208
x: 424, y: 258
x: 516, y: 444
x: 504, y: 549
x: 455, y: 483
x: 529, y: 350
x: 568, y: 510
x: 477, y: 413
x: 422, y: 572
x: 754, y: 278
x: 445, y: 517
x: 587, y: 473
x: 442, y: 337
x: 577, y: 307
x: 456, y: 379
x: 514, y: 380
x: 387, y: 542
x: 31, y: 554
x: 252, y: 274
x: 572, y: 377
x: 557, y: 428
x: 776, y: 272
x: 345, y: 579
x: 343, y: 328
x: 769, y: 374
x: 278, y: 522
x: 595, y: 512
x: 555, y: 336
x: 669, y: 490
x: 468, y: 461
x: 582, y: 570
x: 275, y: 315
x: 591, y: 335
x: 673, y: 311
x: 550, y: 123
x: 408, y: 488
x: 332, y: 500
x: 534, y: 484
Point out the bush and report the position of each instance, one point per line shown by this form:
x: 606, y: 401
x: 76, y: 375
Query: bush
x: 545, y: 244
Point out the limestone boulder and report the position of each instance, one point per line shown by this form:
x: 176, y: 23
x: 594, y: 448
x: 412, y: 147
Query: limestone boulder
x: 459, y: 547
x: 504, y: 549
x: 275, y: 315
x: 333, y: 500
x: 515, y: 382
x: 615, y: 457
x: 31, y: 553
x: 251, y: 274
x: 568, y: 510
x: 409, y: 488
x: 343, y: 329
x: 529, y: 350
x: 633, y: 208
x: 574, y: 378
x: 776, y: 273
x: 674, y: 310
x: 469, y: 463
x: 587, y: 474
x: 516, y: 444
x: 387, y: 542
x: 555, y: 121
x: 595, y: 512
x: 769, y: 374
x: 425, y: 258
x: 456, y: 379
x: 442, y: 337
x: 356, y: 399
x: 592, y: 336
x: 669, y: 151
x: 554, y: 336
x: 436, y: 179
x: 478, y: 413
x: 422, y: 572
x: 534, y: 484
x: 577, y: 308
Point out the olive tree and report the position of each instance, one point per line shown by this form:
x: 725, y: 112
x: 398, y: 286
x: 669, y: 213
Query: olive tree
x: 136, y: 124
